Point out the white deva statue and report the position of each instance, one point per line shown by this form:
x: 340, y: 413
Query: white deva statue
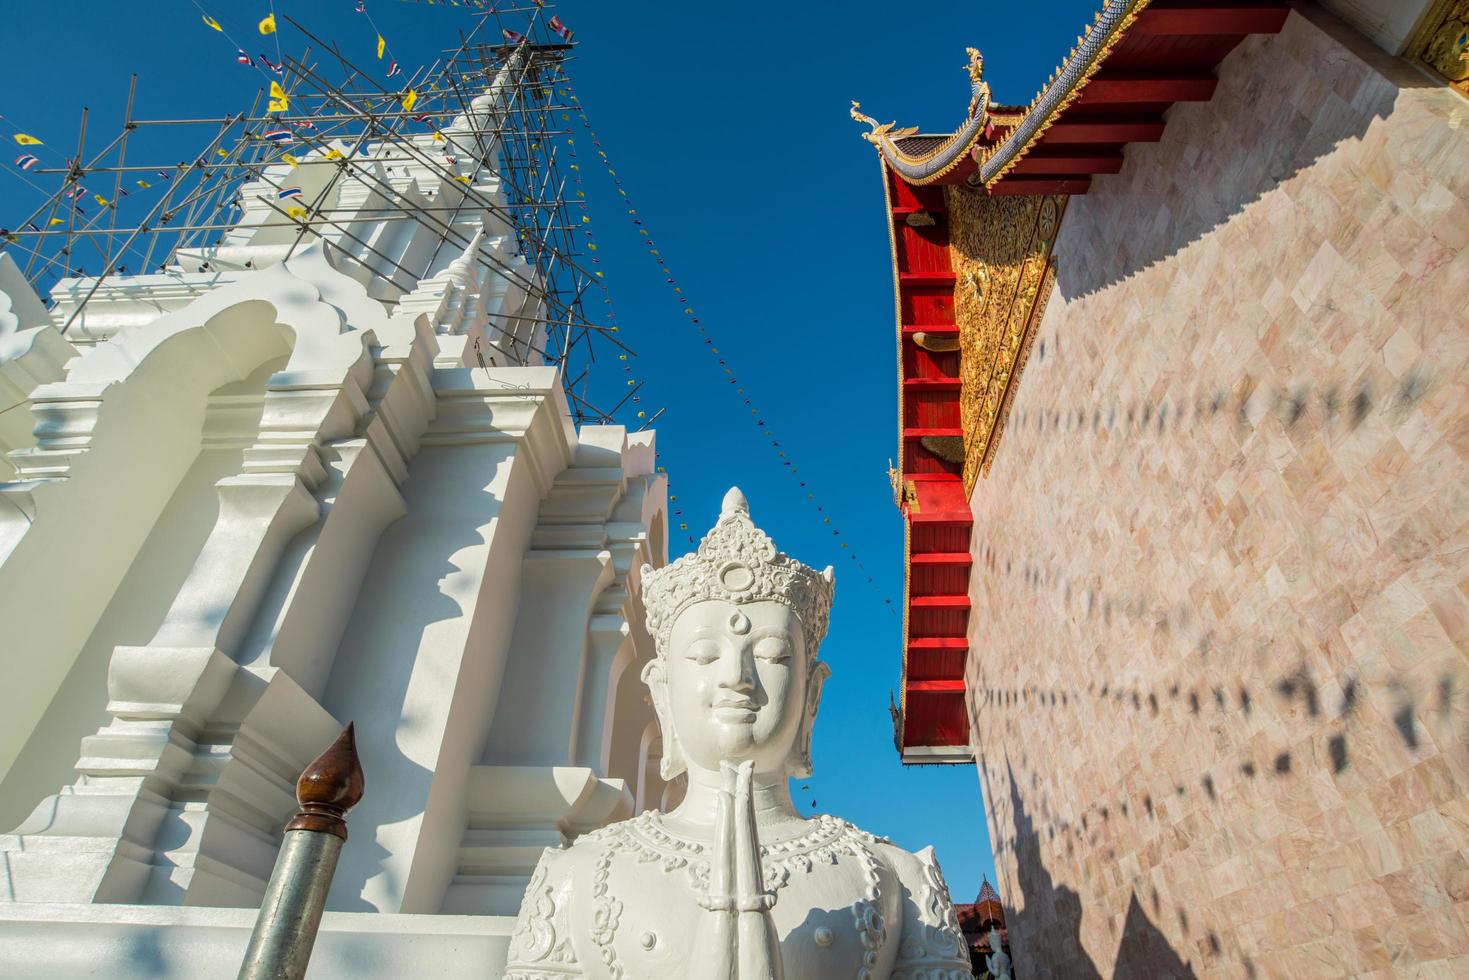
x: 734, y: 884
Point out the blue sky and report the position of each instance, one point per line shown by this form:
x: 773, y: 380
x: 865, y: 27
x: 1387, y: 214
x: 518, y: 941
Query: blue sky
x: 727, y: 124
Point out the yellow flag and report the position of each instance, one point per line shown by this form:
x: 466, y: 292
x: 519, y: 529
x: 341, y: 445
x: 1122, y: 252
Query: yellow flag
x: 26, y: 139
x: 279, y: 101
x: 267, y: 26
x: 333, y: 154
x: 381, y: 47
x: 438, y: 137
x: 101, y: 201
x: 144, y: 183
x: 55, y: 221
x: 221, y: 153
x: 296, y: 211
x: 290, y: 159
x: 210, y: 21
x: 409, y: 98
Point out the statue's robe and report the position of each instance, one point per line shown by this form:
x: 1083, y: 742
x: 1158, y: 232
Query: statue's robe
x: 624, y: 902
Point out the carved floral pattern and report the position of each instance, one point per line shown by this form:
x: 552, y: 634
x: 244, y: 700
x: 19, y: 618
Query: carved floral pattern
x: 1442, y: 43
x: 1000, y: 250
x: 541, y: 943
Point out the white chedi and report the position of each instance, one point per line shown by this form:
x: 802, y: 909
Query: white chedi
x: 734, y: 884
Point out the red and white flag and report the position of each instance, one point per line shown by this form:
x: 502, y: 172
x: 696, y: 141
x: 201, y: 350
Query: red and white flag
x: 560, y: 27
x: 511, y: 36
x: 244, y: 59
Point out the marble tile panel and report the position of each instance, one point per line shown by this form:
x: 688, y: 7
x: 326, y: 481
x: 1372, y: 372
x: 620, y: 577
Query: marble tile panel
x: 1224, y: 546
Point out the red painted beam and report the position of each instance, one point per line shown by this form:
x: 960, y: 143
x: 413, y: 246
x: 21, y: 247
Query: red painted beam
x: 939, y: 601
x: 1203, y: 18
x: 1104, y: 129
x: 1068, y: 161
x: 926, y: 278
x: 902, y: 211
x: 1142, y: 86
x: 936, y: 687
x: 931, y: 384
x: 938, y: 643
x: 919, y: 433
x: 942, y: 558
x: 933, y: 328
x: 1040, y: 185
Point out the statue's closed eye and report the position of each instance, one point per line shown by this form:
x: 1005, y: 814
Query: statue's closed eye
x: 773, y: 649
x: 703, y: 651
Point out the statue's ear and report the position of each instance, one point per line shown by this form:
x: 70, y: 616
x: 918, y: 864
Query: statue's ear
x: 800, y: 763
x: 656, y: 677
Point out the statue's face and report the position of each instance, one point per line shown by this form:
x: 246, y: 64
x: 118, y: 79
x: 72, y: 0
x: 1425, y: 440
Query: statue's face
x: 736, y: 682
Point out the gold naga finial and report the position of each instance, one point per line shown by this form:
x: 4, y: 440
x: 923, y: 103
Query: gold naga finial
x: 976, y: 64
x: 979, y: 89
x: 879, y: 130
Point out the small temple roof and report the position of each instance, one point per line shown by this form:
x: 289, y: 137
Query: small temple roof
x: 987, y: 893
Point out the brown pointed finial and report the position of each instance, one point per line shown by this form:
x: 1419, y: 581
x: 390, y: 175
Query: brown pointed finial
x: 329, y: 786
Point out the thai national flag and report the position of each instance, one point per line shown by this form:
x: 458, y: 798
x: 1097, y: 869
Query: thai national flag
x: 560, y: 27
x: 26, y: 161
x: 304, y: 124
x: 511, y: 36
x: 279, y: 136
x: 393, y: 69
x: 286, y: 193
x: 244, y: 59
x: 273, y: 66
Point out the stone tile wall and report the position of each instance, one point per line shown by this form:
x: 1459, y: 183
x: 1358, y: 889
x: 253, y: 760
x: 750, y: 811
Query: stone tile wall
x: 1219, y: 681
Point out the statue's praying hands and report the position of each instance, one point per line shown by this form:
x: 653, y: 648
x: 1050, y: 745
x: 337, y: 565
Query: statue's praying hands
x: 734, y: 884
x: 737, y: 937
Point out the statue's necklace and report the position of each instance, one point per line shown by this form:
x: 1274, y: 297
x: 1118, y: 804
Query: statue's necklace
x: 825, y: 840
x: 646, y: 838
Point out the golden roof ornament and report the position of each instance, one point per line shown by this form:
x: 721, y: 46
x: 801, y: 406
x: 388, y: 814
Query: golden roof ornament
x: 879, y: 130
x: 979, y: 89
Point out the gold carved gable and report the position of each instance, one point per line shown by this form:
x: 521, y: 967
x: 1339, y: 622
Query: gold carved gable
x: 1441, y: 42
x: 1000, y: 250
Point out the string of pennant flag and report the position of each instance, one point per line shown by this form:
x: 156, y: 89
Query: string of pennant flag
x: 710, y: 345
x: 286, y: 133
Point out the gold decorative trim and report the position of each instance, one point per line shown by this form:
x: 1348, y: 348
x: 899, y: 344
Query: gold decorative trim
x: 1052, y: 100
x: 1000, y: 249
x: 955, y: 147
x: 1441, y: 43
x: 1038, y: 314
x: 887, y: 206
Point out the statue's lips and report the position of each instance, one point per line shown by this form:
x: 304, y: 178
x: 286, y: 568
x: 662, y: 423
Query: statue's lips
x: 730, y: 709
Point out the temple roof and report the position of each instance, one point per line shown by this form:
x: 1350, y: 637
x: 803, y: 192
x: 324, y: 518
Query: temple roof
x: 1130, y: 65
x: 987, y: 893
x: 968, y: 299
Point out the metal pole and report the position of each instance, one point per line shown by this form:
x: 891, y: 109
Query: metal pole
x: 285, y: 931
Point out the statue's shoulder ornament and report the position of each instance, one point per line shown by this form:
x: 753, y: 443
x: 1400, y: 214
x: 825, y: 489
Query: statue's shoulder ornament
x: 541, y: 946
x: 932, y: 945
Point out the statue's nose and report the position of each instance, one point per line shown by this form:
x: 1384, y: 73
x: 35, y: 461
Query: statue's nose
x: 737, y: 671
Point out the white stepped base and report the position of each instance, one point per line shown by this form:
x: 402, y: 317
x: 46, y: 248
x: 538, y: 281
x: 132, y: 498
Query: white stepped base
x: 121, y: 941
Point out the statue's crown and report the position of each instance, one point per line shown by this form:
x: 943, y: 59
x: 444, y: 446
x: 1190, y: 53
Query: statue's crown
x: 737, y: 562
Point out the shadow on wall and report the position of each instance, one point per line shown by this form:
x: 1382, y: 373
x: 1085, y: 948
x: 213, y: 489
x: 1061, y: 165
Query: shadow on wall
x: 1228, y: 167
x: 1050, y: 918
